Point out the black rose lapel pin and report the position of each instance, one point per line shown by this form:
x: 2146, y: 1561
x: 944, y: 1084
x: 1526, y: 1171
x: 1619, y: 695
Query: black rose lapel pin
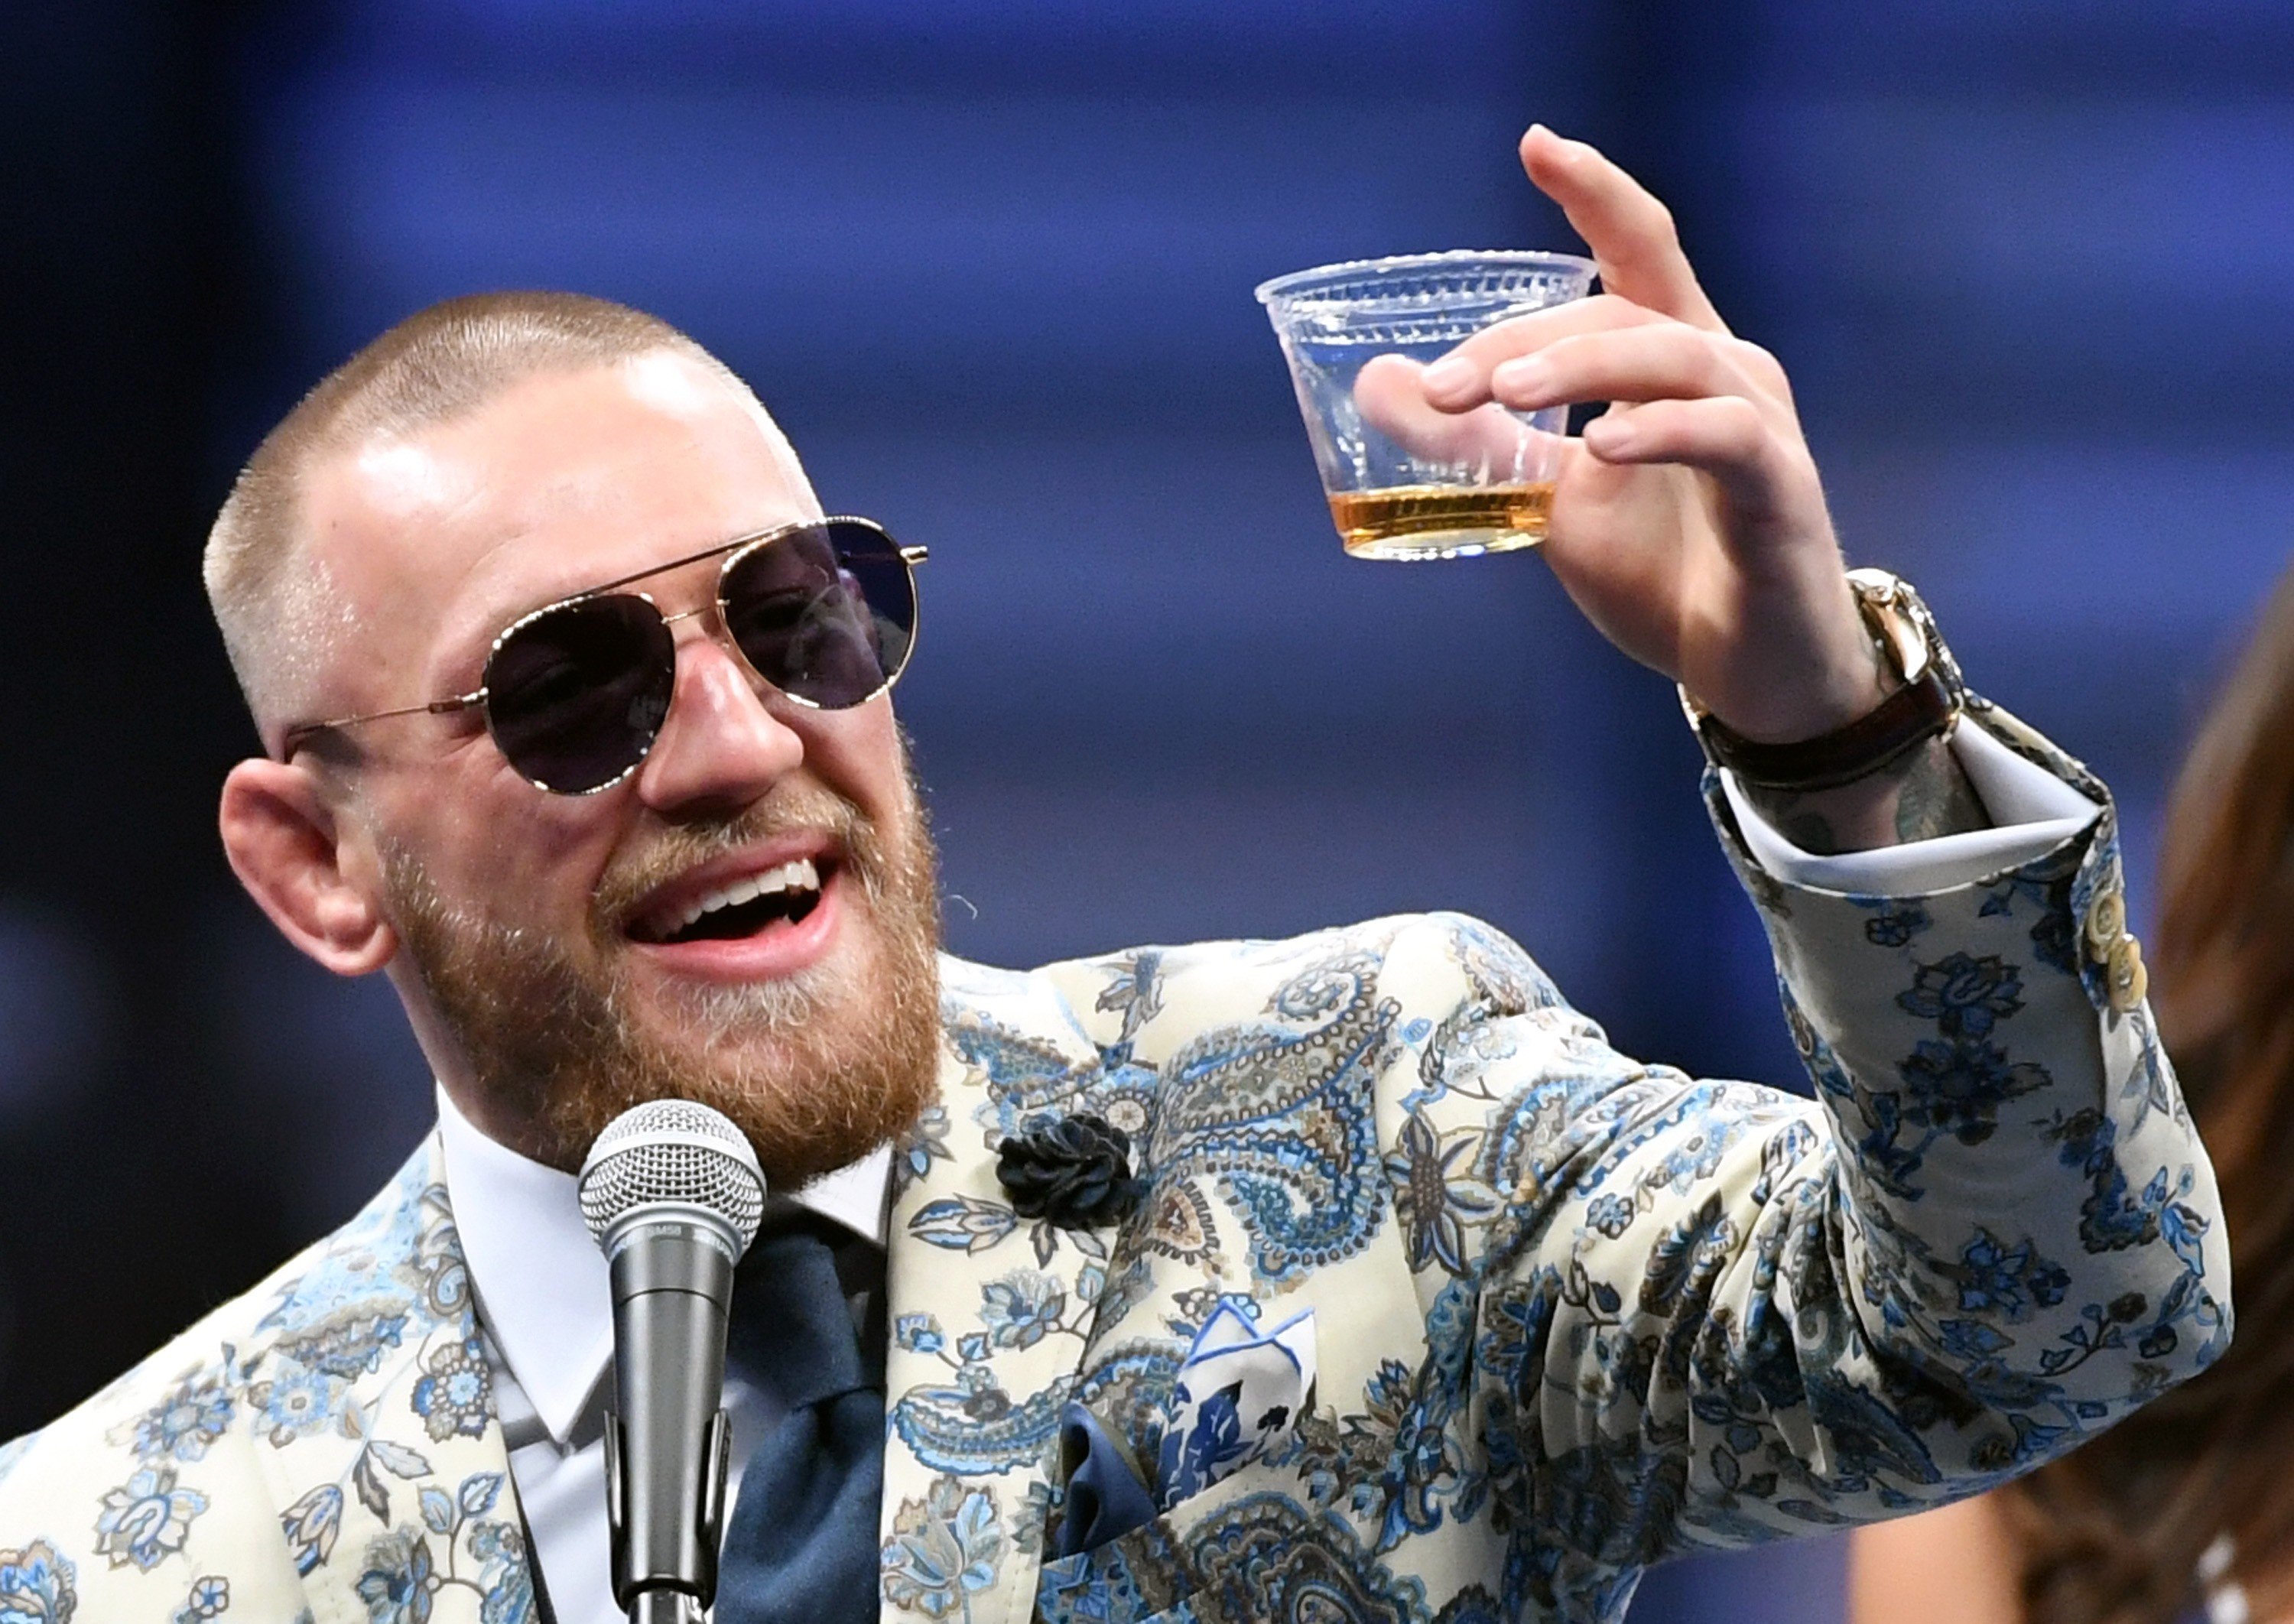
x: 1074, y: 1173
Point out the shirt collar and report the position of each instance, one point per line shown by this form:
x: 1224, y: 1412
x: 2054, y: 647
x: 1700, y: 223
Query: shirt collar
x: 541, y: 1280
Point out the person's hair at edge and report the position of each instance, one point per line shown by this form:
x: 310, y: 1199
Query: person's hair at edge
x: 271, y: 599
x: 2111, y: 1533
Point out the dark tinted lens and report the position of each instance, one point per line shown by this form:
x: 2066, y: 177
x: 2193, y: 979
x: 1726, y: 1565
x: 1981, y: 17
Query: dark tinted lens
x: 575, y: 696
x: 826, y: 613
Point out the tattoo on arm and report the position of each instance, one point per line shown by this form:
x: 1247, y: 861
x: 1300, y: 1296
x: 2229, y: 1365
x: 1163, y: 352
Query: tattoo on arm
x: 1809, y: 831
x: 1922, y: 794
x: 1935, y: 797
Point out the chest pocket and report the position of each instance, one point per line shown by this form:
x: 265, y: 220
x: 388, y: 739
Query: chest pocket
x: 1250, y: 1547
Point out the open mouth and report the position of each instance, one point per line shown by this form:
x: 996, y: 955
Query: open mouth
x: 742, y: 907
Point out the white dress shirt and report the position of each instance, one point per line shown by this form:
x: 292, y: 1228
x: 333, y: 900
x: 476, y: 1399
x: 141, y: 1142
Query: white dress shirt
x: 546, y: 1316
x: 545, y: 1308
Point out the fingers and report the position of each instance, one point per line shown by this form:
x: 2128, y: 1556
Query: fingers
x: 1631, y: 233
x: 1460, y: 379
x: 1728, y: 436
x: 1391, y: 394
x: 1657, y: 363
x: 1603, y: 348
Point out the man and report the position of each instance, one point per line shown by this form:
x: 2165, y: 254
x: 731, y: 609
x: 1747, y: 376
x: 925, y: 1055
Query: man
x: 1406, y: 1296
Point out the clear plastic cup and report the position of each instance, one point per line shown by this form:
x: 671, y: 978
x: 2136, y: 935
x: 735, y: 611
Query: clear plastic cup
x: 1404, y: 479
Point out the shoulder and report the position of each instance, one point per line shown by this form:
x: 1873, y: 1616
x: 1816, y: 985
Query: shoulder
x: 1959, y: 1561
x: 98, y: 1509
x: 151, y: 1499
x: 174, y: 1405
x: 1441, y: 968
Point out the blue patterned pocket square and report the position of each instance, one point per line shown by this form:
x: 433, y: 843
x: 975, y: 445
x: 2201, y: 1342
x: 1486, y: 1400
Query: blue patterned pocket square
x: 1237, y: 1399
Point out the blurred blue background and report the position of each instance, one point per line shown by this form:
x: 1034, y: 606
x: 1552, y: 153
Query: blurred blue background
x: 2031, y: 266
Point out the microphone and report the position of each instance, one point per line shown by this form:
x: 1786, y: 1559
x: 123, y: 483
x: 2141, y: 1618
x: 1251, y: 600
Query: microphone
x: 672, y: 1193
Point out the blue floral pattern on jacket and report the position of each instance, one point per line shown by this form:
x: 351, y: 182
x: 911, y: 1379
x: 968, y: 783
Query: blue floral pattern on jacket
x: 1571, y: 1313
x: 1575, y: 1313
x: 324, y: 1447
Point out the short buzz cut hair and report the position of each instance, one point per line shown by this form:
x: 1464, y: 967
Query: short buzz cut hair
x: 271, y: 597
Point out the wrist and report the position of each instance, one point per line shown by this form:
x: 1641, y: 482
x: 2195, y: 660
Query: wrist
x: 1920, y: 698
x: 1824, y: 689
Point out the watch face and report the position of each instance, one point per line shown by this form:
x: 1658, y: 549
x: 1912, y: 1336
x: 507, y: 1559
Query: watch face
x: 1892, y: 612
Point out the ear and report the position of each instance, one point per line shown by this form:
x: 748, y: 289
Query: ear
x: 286, y: 847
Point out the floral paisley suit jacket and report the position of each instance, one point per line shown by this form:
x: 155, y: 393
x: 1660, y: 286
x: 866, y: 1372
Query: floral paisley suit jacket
x: 1571, y: 1313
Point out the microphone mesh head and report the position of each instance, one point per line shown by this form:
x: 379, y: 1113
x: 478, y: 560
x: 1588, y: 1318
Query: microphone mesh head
x: 672, y: 1152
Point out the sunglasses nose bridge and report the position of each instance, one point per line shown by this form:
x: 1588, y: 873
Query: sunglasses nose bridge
x: 713, y: 628
x: 717, y: 631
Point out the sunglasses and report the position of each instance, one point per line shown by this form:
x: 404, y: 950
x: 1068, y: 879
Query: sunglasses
x: 575, y: 693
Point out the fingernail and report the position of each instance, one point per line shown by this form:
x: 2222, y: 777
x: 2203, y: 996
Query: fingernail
x: 1451, y: 375
x: 1525, y: 375
x: 1609, y: 436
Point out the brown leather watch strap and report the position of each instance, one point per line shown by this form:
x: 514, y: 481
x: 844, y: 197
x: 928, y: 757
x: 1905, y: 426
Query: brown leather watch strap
x: 1927, y: 707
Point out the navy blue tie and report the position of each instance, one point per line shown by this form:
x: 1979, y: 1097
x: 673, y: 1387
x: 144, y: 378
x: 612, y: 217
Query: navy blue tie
x: 801, y: 1546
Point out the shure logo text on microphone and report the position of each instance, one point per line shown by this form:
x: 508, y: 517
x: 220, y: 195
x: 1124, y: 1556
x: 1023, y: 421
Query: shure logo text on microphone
x: 663, y: 1229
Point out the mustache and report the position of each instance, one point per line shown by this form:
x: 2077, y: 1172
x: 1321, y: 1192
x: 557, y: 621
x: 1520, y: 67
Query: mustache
x: 676, y: 848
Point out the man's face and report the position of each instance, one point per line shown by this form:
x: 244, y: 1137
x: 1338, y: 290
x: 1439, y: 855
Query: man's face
x: 748, y: 920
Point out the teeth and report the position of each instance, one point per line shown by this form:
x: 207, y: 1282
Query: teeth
x: 800, y: 875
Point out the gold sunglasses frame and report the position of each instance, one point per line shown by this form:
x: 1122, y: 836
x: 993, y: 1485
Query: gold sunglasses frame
x: 734, y: 551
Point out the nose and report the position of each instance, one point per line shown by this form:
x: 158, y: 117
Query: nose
x: 721, y: 748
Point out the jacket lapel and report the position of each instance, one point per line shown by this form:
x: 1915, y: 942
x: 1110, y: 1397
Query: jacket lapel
x: 992, y: 1313
x: 382, y: 1450
x: 1252, y: 1105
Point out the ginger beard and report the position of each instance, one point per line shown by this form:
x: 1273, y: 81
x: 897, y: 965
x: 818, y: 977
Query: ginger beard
x: 817, y: 1068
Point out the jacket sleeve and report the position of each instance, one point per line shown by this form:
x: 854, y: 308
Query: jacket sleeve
x: 1676, y: 1313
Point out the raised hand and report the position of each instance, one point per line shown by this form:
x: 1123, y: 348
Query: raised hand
x: 1688, y: 522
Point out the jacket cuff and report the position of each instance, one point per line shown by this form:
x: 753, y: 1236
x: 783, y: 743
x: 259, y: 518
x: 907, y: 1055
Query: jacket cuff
x: 2033, y: 812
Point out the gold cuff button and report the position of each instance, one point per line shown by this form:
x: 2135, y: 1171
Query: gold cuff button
x: 2127, y: 979
x: 2106, y: 923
